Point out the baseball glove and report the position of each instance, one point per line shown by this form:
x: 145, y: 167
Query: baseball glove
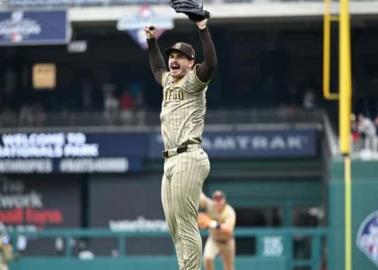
x: 192, y: 8
x: 203, y: 220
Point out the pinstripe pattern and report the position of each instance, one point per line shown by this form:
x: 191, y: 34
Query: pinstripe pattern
x: 184, y: 175
x: 182, y: 121
x: 183, y: 110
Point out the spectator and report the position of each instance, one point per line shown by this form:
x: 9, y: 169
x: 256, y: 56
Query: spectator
x: 127, y: 105
x: 309, y: 99
x: 32, y: 115
x: 127, y: 101
x: 367, y: 129
x: 39, y: 114
x: 137, y: 91
x: 26, y: 115
x: 111, y: 103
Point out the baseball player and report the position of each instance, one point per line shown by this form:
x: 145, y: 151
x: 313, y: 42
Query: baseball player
x: 220, y: 219
x: 6, y: 252
x: 186, y: 164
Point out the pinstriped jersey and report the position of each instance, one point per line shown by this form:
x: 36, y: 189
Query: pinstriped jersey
x: 183, y: 110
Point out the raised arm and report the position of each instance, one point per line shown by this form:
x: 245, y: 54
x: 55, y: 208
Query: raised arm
x: 157, y: 63
x: 207, y: 68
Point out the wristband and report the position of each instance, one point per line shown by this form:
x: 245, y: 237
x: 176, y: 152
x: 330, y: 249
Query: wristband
x: 214, y: 225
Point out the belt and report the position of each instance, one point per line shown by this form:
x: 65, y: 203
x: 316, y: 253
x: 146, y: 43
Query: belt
x: 181, y: 149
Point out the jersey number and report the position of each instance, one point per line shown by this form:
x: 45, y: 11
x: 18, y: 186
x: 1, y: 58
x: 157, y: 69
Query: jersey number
x: 174, y: 95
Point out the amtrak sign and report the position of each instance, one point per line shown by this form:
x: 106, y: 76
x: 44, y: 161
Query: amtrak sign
x: 251, y: 143
x: 367, y: 237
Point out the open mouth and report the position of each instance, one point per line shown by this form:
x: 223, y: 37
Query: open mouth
x: 175, y: 66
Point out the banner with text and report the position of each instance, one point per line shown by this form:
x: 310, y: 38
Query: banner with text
x: 71, y: 152
x: 116, y: 202
x: 251, y: 143
x: 30, y: 204
x: 34, y: 28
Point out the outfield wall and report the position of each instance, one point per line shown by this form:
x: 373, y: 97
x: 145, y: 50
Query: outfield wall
x: 365, y: 202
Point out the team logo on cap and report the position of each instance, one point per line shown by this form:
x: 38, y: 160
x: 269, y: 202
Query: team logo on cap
x: 367, y: 237
x: 177, y: 46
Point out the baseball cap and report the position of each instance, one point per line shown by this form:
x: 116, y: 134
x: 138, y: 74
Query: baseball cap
x: 218, y: 195
x: 183, y: 48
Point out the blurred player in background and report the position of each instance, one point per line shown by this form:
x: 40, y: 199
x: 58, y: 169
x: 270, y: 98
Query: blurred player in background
x: 186, y: 164
x: 220, y: 219
x: 6, y: 252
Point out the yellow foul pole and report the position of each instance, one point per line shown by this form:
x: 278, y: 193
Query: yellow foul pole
x: 345, y: 94
x: 327, y: 20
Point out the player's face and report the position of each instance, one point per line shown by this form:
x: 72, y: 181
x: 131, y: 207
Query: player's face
x: 219, y: 204
x: 179, y: 65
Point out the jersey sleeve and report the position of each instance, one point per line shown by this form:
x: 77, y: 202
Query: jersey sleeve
x: 193, y: 84
x: 164, y: 79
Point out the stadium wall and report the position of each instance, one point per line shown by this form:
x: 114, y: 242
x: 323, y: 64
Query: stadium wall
x: 365, y: 201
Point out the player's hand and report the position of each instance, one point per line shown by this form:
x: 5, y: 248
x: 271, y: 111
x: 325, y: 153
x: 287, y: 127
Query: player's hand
x: 203, y: 221
x: 201, y: 24
x: 150, y: 31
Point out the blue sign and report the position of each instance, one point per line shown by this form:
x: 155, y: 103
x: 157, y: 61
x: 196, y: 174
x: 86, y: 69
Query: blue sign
x: 119, y: 152
x: 71, y: 152
x: 251, y: 143
x: 367, y: 237
x: 34, y: 28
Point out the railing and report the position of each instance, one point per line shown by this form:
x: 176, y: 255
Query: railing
x: 151, y: 118
x: 273, y: 249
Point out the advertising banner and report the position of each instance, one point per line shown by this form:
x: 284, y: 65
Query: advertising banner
x: 251, y: 143
x: 367, y: 237
x: 71, y: 152
x: 34, y: 28
x: 128, y: 203
x: 28, y: 204
x: 120, y: 152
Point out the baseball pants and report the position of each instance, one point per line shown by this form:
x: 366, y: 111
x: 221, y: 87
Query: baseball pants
x: 184, y: 175
x: 225, y: 249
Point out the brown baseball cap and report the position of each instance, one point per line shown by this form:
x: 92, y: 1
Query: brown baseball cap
x: 183, y: 48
